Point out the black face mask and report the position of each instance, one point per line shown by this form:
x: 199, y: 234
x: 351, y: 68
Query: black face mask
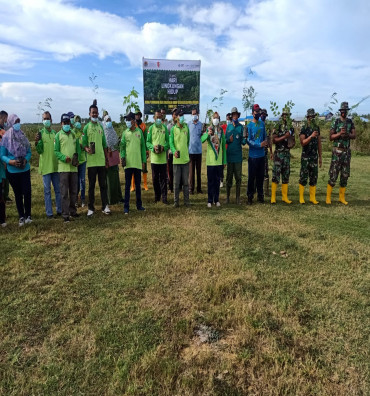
x: 263, y: 118
x: 257, y: 116
x: 343, y: 114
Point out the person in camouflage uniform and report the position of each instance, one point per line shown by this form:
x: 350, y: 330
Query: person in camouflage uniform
x: 266, y: 179
x: 341, y: 132
x: 311, y: 156
x: 283, y: 131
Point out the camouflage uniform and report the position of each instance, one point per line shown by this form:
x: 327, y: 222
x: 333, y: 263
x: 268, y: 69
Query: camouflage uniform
x: 309, y: 158
x: 281, y: 155
x: 341, y: 153
x: 268, y: 128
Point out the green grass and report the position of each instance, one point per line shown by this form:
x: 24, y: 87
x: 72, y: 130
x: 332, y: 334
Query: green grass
x: 111, y: 305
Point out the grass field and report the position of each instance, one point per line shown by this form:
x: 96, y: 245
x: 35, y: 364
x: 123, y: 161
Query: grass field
x: 190, y: 301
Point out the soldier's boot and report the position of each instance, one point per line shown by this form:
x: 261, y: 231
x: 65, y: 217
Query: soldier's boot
x: 145, y: 178
x: 329, y: 189
x: 273, y: 192
x: 284, y: 193
x: 301, y: 194
x: 342, y: 191
x: 266, y: 189
x: 237, y: 195
x: 132, y: 183
x: 227, y: 194
x: 313, y: 195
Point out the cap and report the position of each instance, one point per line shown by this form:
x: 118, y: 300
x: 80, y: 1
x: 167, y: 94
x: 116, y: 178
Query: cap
x: 139, y: 113
x: 129, y: 116
x: 256, y: 107
x: 65, y: 118
x: 70, y: 114
x: 310, y: 113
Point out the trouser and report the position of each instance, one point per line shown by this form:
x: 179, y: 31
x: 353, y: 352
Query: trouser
x: 256, y: 171
x: 213, y: 181
x: 159, y: 181
x: 51, y: 178
x: 181, y: 176
x: 6, y: 189
x: 21, y: 185
x: 281, y: 167
x: 170, y: 171
x: 81, y: 180
x: 195, y: 164
x: 340, y: 163
x: 266, y: 171
x: 2, y: 201
x: 234, y: 169
x: 128, y: 176
x: 309, y: 170
x: 68, y: 189
x: 92, y: 172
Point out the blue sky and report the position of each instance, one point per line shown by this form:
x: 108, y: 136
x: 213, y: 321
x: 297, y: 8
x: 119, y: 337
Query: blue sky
x: 302, y: 51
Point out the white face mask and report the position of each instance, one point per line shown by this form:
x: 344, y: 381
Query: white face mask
x: 228, y: 122
x: 215, y: 121
x: 194, y: 117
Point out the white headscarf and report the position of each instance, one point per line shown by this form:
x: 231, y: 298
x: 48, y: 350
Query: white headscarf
x: 110, y: 134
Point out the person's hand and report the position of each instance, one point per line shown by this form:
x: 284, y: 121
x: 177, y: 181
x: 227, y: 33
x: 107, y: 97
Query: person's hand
x: 147, y: 154
x: 287, y: 134
x: 88, y: 150
x: 224, y: 166
x: 264, y: 143
x: 210, y: 132
x: 231, y: 139
x: 343, y: 131
x: 156, y: 149
x: 38, y: 137
x: 176, y: 154
x: 15, y: 163
x: 123, y: 162
x: 320, y: 162
x: 315, y: 134
x: 68, y: 160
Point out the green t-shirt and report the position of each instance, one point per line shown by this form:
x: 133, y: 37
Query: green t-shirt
x: 93, y: 132
x: 179, y: 141
x: 216, y: 149
x: 79, y: 134
x: 132, y: 148
x: 65, y: 146
x: 337, y: 125
x: 48, y: 162
x: 158, y: 135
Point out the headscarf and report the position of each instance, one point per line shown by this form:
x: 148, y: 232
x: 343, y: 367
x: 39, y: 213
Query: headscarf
x: 15, y: 142
x: 110, y: 134
x: 77, y: 132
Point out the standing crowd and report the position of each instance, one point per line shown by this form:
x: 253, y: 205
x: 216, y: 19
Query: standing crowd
x: 175, y: 150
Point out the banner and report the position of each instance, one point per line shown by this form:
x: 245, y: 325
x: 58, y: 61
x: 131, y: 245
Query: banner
x: 171, y: 83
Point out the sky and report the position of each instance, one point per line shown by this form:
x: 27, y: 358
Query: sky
x: 287, y: 50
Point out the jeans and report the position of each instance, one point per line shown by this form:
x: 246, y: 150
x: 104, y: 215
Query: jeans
x: 128, y: 176
x: 81, y: 180
x: 213, y: 178
x: 101, y: 172
x: 52, y: 178
x: 256, y: 171
x: 21, y: 185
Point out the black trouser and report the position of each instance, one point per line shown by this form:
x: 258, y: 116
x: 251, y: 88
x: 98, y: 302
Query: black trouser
x: 68, y: 192
x: 213, y: 177
x: 170, y: 171
x: 159, y: 181
x: 128, y: 176
x: 21, y: 185
x: 256, y: 171
x: 102, y: 179
x: 2, y: 201
x: 195, y: 163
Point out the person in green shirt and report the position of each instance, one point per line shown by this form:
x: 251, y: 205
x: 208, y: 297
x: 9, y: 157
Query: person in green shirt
x: 67, y: 150
x: 81, y: 169
x: 216, y: 159
x: 48, y: 165
x: 158, y: 143
x: 133, y: 159
x: 95, y: 145
x: 179, y: 144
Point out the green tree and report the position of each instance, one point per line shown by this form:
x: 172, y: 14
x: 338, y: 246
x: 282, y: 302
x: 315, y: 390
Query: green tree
x: 249, y: 96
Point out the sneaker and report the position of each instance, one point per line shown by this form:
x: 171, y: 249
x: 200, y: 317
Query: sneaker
x: 106, y: 210
x: 3, y: 225
x: 90, y: 213
x: 21, y: 222
x: 141, y: 209
x: 125, y: 211
x: 218, y: 204
x: 209, y: 205
x: 221, y: 184
x: 66, y: 220
x: 28, y: 220
x: 8, y: 200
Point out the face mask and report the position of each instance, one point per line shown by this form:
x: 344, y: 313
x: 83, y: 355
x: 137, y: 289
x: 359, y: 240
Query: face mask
x: 108, y: 124
x: 263, y: 117
x: 77, y: 125
x: 5, y: 125
x: 215, y: 121
x: 47, y: 123
x: 17, y: 126
x: 158, y: 121
x: 343, y: 114
x: 182, y: 118
x: 72, y: 121
x: 194, y: 118
x: 257, y: 116
x: 94, y: 119
x: 66, y: 128
x: 131, y: 124
x: 235, y: 121
x: 228, y: 122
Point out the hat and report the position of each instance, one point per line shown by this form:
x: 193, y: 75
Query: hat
x: 310, y: 113
x: 264, y: 111
x: 256, y: 107
x: 235, y: 110
x: 286, y: 111
x: 70, y: 114
x: 139, y: 113
x: 344, y: 106
x: 65, y: 118
x: 129, y: 116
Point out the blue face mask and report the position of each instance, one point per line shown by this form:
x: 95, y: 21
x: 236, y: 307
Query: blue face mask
x: 47, y: 123
x: 131, y: 124
x: 182, y: 118
x: 108, y: 124
x: 17, y: 126
x: 158, y: 121
x: 93, y: 119
x: 66, y: 128
x: 72, y: 121
x: 77, y: 125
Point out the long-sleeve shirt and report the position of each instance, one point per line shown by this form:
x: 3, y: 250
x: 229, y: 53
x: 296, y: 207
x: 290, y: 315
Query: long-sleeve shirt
x: 211, y: 159
x: 133, y: 148
x: 256, y: 135
x: 5, y: 156
x: 234, y: 149
x: 48, y: 162
x: 195, y: 132
x: 179, y: 141
x: 158, y: 135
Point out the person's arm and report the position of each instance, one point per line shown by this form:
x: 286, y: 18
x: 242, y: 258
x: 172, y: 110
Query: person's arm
x: 352, y: 134
x: 143, y: 149
x: 188, y: 136
x: 28, y: 154
x: 276, y: 139
x: 85, y: 140
x: 204, y: 137
x: 243, y: 139
x: 320, y: 150
x: 123, y: 146
x: 333, y: 135
x: 223, y: 143
x: 167, y: 139
x: 149, y: 144
x: 172, y: 141
x: 229, y: 135
x: 40, y: 145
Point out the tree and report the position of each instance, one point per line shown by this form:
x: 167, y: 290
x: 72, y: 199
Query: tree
x: 249, y: 95
x: 94, y: 84
x: 129, y: 101
x: 43, y: 106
